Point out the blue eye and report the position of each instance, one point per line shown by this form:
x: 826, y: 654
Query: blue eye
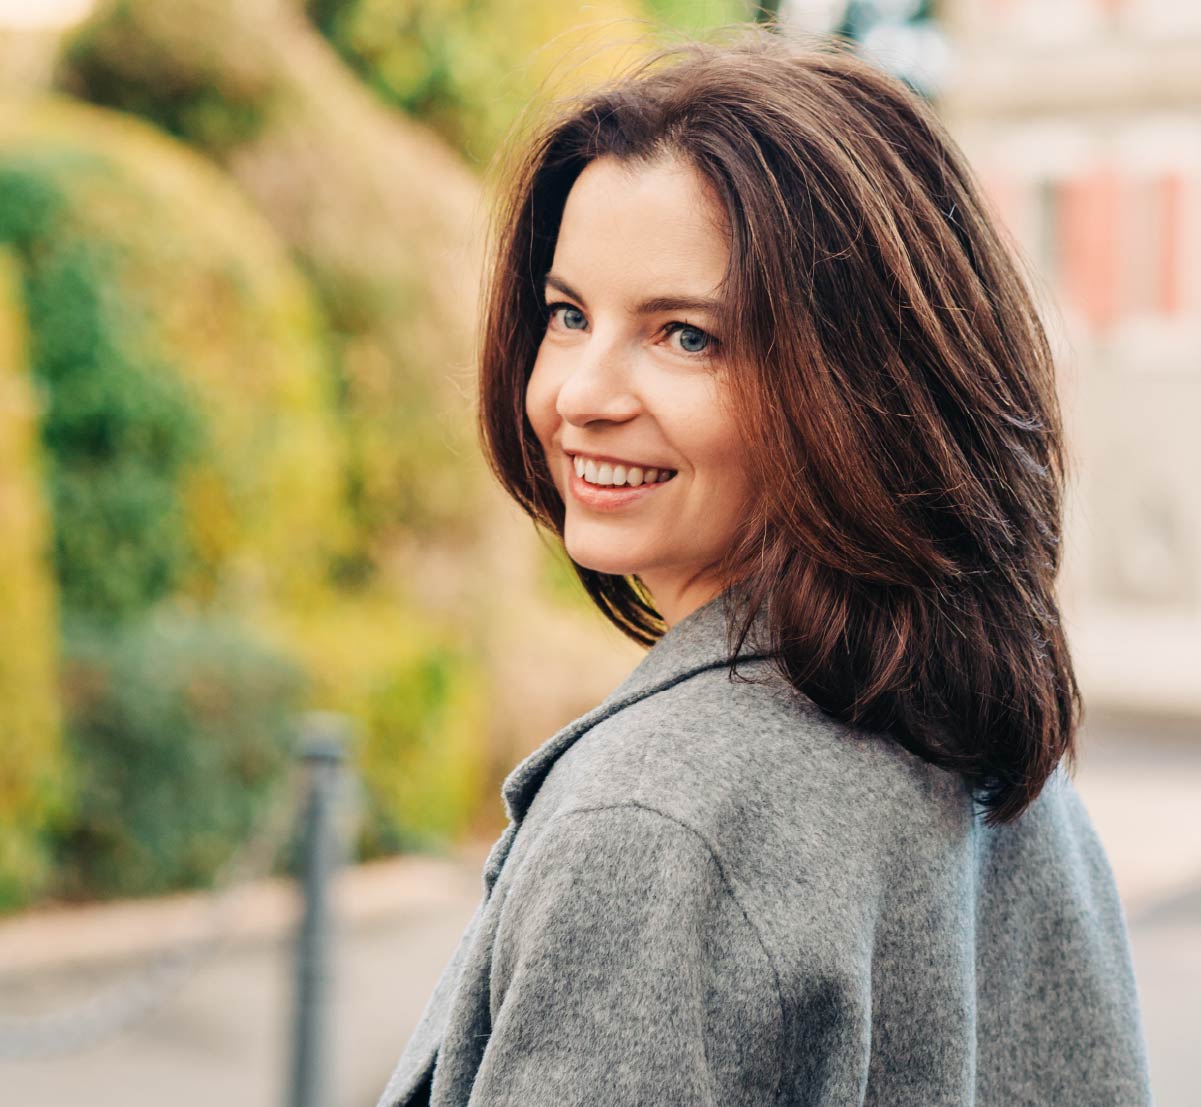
x: 571, y: 316
x: 693, y: 340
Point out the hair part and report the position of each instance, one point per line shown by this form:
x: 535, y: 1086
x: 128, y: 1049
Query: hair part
x: 896, y: 392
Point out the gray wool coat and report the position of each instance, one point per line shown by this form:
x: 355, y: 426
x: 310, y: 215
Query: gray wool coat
x: 711, y: 893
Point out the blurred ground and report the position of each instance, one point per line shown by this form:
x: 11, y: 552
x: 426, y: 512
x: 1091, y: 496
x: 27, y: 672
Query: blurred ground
x: 223, y: 1037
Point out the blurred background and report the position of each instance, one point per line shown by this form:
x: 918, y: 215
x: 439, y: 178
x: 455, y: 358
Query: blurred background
x: 240, y: 246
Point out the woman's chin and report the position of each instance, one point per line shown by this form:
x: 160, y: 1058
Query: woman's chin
x: 612, y: 568
x: 613, y: 562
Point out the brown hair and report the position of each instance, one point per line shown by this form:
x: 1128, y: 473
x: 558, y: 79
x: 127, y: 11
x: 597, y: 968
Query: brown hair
x: 896, y: 394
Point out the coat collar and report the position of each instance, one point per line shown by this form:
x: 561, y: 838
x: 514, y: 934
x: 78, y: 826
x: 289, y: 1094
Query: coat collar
x: 697, y: 642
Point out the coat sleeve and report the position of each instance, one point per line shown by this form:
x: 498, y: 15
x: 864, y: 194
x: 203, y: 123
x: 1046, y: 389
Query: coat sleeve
x: 625, y: 971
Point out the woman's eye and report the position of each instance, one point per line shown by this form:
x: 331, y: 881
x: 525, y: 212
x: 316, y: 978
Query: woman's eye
x: 573, y: 319
x: 693, y: 340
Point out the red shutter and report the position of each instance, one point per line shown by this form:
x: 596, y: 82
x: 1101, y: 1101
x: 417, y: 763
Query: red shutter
x: 1088, y: 236
x: 1170, y: 195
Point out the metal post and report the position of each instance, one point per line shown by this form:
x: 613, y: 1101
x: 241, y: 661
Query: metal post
x: 323, y: 741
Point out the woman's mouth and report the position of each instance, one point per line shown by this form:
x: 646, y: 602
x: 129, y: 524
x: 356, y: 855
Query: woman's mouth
x: 619, y: 489
x: 603, y: 474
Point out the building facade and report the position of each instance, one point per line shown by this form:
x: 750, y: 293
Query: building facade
x: 1082, y: 119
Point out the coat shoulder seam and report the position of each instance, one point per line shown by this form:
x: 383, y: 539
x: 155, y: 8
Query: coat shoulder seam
x: 721, y: 868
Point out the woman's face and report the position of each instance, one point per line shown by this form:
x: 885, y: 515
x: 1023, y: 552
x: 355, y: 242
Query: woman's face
x: 627, y: 385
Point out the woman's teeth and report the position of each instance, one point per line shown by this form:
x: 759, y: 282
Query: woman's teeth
x: 603, y: 473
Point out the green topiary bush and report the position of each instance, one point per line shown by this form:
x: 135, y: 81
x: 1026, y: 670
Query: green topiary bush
x: 188, y: 349
x: 382, y: 217
x: 180, y: 727
x: 164, y: 480
x: 194, y: 462
x: 117, y: 427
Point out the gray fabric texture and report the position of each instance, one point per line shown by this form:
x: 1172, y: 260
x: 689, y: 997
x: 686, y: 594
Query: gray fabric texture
x: 712, y: 893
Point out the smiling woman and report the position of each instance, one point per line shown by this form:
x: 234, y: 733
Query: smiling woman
x: 628, y: 378
x: 755, y: 353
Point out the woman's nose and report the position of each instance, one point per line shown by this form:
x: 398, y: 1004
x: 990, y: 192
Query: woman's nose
x: 597, y: 385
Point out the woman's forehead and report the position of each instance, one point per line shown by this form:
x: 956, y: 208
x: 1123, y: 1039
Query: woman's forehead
x: 666, y: 186
x: 649, y: 230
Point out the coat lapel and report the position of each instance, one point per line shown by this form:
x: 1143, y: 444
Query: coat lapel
x: 694, y: 644
x: 697, y: 642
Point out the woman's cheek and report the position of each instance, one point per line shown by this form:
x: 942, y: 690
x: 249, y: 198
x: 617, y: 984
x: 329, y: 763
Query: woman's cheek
x: 539, y: 404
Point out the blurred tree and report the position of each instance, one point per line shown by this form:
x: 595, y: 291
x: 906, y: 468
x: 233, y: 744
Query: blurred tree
x: 384, y: 219
x: 188, y: 432
x: 159, y: 450
x: 467, y: 67
x: 180, y: 728
x: 117, y: 428
x: 194, y: 470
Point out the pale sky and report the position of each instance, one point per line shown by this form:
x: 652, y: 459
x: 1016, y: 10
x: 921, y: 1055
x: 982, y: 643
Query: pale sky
x: 32, y: 14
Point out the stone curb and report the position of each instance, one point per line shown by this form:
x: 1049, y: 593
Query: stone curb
x: 69, y: 935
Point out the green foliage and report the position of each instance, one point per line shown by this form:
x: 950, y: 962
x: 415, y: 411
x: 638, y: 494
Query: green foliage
x: 416, y: 689
x: 700, y: 15
x: 191, y: 455
x: 117, y: 427
x: 187, y: 451
x: 373, y: 209
x: 189, y: 439
x: 422, y: 764
x: 466, y: 67
x: 192, y: 100
x: 180, y: 729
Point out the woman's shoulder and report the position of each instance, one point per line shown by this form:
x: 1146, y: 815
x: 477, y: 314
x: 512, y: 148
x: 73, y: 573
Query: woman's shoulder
x: 755, y: 765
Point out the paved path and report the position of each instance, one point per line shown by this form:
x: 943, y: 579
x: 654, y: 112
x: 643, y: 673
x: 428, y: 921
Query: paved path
x: 222, y: 1039
x: 1142, y: 786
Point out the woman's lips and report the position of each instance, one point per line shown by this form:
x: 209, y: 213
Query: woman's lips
x: 612, y: 498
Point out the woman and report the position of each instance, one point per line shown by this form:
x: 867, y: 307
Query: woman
x: 755, y: 352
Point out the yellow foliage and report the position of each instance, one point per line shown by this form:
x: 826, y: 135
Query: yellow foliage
x: 32, y: 773
x: 383, y: 217
x: 214, y: 294
x: 416, y: 689
x: 201, y: 285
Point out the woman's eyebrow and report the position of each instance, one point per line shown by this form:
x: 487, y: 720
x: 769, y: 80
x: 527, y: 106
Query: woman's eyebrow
x: 652, y: 306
